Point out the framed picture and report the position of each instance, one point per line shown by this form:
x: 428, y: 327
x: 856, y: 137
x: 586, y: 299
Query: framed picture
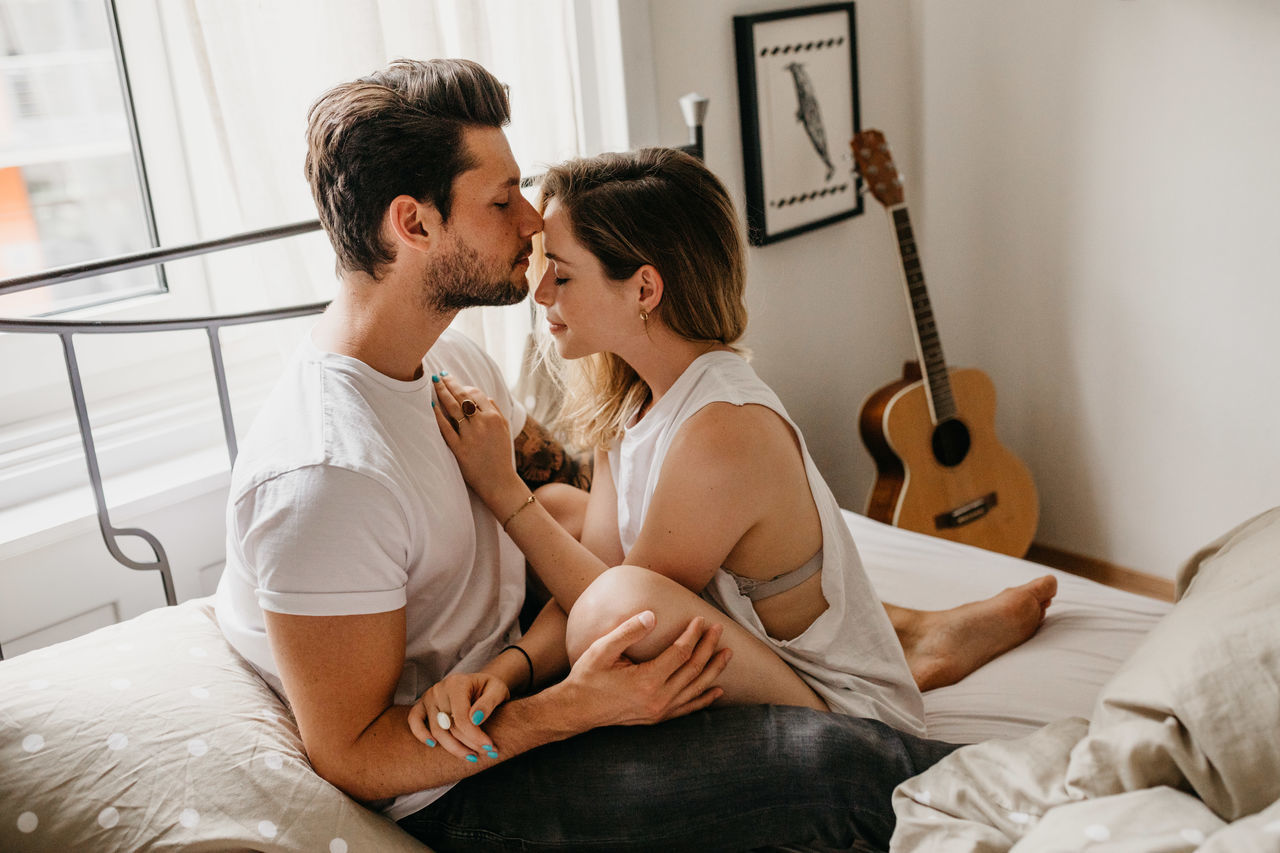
x: 798, y: 92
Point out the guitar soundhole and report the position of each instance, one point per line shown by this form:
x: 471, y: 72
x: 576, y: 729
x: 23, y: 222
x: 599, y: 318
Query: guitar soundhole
x: 950, y: 443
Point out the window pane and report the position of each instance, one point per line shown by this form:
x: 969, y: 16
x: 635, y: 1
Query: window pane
x: 69, y: 183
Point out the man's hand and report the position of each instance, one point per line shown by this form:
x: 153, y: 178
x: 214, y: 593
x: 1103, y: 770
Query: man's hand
x: 466, y: 700
x: 611, y: 690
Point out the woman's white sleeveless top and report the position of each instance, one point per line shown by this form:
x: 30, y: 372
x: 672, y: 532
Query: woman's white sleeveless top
x: 850, y: 655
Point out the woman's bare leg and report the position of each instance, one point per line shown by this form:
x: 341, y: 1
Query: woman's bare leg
x: 755, y: 676
x: 943, y: 646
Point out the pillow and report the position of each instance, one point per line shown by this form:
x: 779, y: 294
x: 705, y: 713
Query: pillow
x: 1258, y: 833
x: 154, y: 734
x: 1196, y: 705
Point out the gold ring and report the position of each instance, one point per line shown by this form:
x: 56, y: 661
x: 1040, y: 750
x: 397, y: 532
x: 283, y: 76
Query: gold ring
x: 469, y: 408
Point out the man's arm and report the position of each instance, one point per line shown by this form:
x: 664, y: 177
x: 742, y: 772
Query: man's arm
x: 542, y: 459
x: 340, y: 675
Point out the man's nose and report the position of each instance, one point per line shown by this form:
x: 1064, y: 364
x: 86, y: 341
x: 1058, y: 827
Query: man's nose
x: 532, y: 222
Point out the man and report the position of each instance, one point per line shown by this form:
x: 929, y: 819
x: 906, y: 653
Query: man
x: 361, y: 571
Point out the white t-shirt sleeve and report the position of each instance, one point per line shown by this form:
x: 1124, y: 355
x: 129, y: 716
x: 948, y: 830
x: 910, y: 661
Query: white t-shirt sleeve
x: 324, y: 541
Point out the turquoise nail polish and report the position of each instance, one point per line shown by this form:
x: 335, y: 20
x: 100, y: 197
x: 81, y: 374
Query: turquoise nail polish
x: 433, y: 404
x: 435, y: 378
x: 493, y: 753
x: 430, y: 742
x: 444, y: 373
x: 472, y: 759
x: 477, y: 717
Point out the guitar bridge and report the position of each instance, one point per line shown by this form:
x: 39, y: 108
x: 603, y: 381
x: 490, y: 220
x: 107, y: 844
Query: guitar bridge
x: 966, y: 513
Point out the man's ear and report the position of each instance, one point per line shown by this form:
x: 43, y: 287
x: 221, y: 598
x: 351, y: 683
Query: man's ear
x: 413, y: 223
x: 650, y: 288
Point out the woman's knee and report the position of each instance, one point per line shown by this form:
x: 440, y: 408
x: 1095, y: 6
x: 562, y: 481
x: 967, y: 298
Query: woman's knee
x: 615, y: 596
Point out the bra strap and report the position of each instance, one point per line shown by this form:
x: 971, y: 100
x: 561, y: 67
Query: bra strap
x: 756, y: 589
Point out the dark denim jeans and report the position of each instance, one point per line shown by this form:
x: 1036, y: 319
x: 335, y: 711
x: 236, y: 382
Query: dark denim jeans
x: 730, y: 779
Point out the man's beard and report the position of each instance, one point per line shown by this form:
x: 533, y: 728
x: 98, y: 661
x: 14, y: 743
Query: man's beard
x: 462, y: 280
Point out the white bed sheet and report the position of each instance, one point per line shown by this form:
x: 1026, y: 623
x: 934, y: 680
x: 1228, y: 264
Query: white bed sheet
x: 1089, y: 631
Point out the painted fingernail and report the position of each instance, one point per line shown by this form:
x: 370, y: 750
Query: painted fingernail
x: 444, y: 373
x: 477, y: 717
x: 472, y: 759
x: 492, y: 753
x: 435, y: 378
x: 429, y: 742
x: 433, y: 404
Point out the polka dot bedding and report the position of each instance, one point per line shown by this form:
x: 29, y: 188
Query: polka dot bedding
x: 154, y: 735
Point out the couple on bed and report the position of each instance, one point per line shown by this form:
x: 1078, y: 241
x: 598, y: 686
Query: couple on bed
x: 379, y: 522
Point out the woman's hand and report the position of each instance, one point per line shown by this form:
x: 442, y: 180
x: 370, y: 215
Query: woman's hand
x: 480, y: 438
x: 463, y: 701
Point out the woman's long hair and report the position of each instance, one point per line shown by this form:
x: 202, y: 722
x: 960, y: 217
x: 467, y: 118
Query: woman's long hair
x: 656, y: 206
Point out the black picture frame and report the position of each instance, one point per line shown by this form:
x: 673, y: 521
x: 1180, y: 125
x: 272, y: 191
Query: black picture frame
x: 798, y: 99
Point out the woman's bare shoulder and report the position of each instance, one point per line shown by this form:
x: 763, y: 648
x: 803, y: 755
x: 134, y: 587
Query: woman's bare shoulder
x: 726, y: 435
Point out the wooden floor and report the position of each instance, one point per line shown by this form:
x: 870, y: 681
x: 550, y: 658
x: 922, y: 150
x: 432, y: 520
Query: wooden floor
x: 1101, y: 571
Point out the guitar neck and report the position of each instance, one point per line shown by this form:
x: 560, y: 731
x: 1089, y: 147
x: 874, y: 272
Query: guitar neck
x: 928, y: 345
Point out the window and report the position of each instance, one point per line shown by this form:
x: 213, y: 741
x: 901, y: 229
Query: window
x: 72, y: 187
x: 219, y: 93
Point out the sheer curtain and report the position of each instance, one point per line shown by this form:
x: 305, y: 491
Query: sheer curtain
x: 244, y: 72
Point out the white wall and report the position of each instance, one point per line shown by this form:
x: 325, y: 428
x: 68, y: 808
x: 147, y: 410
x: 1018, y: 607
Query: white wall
x: 1095, y: 184
x: 1100, y: 195
x: 829, y: 323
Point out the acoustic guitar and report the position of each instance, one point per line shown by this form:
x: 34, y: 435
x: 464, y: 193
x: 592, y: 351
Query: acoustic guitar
x: 939, y: 467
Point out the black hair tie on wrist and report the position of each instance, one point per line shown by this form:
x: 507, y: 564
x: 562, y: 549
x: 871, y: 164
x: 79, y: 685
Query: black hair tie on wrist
x: 528, y: 660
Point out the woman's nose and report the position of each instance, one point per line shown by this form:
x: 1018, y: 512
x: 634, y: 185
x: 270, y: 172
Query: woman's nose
x: 542, y: 293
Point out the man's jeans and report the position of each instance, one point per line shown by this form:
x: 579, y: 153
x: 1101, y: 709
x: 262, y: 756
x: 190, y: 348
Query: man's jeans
x: 728, y: 779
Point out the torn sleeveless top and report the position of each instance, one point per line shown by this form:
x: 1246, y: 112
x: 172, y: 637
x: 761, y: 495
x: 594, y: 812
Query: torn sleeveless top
x: 849, y: 655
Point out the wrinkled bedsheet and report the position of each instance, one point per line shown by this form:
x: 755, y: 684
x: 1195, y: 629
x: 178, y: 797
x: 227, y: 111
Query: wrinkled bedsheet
x: 1182, y: 750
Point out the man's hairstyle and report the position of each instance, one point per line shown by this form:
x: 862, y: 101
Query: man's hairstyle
x: 398, y: 131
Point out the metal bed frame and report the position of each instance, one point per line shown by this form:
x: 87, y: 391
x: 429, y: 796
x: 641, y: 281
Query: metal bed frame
x: 693, y: 108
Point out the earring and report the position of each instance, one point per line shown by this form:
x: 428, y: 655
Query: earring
x: 644, y: 318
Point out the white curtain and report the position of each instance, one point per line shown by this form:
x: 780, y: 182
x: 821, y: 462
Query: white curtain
x: 244, y: 73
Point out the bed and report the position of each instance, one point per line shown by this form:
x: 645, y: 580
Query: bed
x: 154, y: 734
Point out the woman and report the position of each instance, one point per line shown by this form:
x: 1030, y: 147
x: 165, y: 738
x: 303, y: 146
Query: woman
x: 702, y: 483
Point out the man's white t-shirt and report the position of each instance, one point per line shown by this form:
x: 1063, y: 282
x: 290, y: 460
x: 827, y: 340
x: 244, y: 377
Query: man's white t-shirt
x: 345, y: 500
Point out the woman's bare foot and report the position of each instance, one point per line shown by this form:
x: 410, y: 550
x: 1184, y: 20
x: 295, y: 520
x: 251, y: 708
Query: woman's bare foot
x: 943, y: 646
